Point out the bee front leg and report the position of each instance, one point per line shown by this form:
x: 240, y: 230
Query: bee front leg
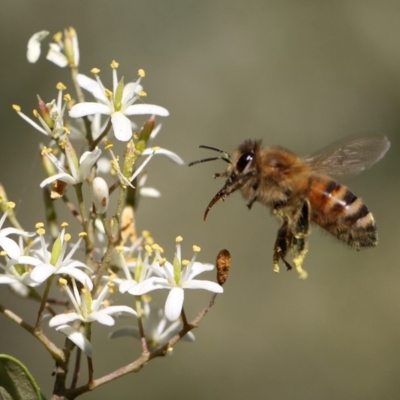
x: 299, y: 242
x: 281, y: 247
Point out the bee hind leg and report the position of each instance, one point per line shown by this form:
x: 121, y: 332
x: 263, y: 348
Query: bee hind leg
x: 282, y: 246
x: 299, y: 243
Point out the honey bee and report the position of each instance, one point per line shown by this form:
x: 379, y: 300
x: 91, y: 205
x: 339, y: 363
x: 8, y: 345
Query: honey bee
x: 298, y: 191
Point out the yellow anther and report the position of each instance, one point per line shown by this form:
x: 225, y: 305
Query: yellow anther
x: 142, y: 93
x: 155, y: 148
x: 119, y: 249
x: 67, y: 97
x: 82, y: 234
x: 36, y: 113
x: 162, y: 261
x: 196, y: 249
x: 16, y: 107
x: 185, y: 262
x: 67, y: 237
x: 60, y: 86
x: 141, y: 73
x: 146, y: 234
x: 40, y: 231
x: 39, y: 225
x: 66, y: 130
x: 57, y: 36
x: 178, y: 239
x: 108, y: 93
x: 46, y: 150
x: 3, y: 253
x: 95, y: 71
x: 63, y: 282
x: 114, y: 64
x: 10, y: 204
x: 64, y: 225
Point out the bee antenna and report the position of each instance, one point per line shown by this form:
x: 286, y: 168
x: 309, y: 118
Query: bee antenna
x: 225, y: 156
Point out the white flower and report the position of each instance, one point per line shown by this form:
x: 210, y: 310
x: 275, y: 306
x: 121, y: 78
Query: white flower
x: 118, y: 103
x: 87, y: 310
x: 78, y: 172
x: 65, y: 51
x: 48, y: 263
x: 33, y: 52
x: 11, y: 248
x: 51, y: 120
x: 157, y: 328
x: 176, y: 279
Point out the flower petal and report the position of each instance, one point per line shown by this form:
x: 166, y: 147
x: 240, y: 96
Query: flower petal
x: 88, y: 108
x: 87, y: 160
x: 101, y: 318
x: 122, y: 126
x: 33, y: 52
x: 64, y: 318
x: 64, y: 177
x: 206, y: 285
x: 41, y: 272
x: 93, y: 87
x: 170, y: 154
x: 151, y: 109
x: 174, y: 303
x: 56, y: 56
x: 10, y: 247
x: 76, y: 337
x: 149, y: 285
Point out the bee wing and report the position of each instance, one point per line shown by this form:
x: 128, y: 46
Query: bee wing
x: 350, y: 157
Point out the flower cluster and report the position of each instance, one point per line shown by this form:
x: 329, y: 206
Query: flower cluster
x: 108, y: 260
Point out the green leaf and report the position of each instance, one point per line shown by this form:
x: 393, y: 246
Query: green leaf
x: 16, y: 383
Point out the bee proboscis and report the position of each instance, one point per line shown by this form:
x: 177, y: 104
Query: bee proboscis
x: 300, y: 190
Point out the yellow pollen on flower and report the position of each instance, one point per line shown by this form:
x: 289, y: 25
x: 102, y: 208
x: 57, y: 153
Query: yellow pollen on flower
x: 141, y: 73
x: 36, y: 113
x: 82, y: 234
x: 67, y: 97
x: 146, y: 234
x: 40, y: 231
x: 155, y: 148
x: 111, y: 287
x: 142, y: 93
x: 67, y: 237
x: 57, y: 36
x: 3, y: 253
x: 147, y: 298
x: 109, y: 94
x: 63, y: 143
x: 64, y: 225
x: 46, y: 150
x: 196, y: 249
x: 72, y: 31
x: 119, y: 249
x: 178, y: 239
x: 114, y: 64
x: 95, y: 71
x: 60, y: 86
x: 16, y: 107
x: 162, y: 261
x: 185, y: 262
x: 157, y: 247
x: 149, y: 240
x: 63, y: 282
x: 148, y: 249
x: 39, y: 225
x: 66, y: 130
x: 10, y: 205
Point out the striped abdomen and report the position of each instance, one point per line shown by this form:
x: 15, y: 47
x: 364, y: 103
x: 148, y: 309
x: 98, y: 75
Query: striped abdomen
x: 336, y: 209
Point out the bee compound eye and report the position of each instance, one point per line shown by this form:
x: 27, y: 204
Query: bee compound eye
x: 244, y: 160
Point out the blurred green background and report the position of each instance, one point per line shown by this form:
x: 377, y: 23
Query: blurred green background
x: 301, y: 74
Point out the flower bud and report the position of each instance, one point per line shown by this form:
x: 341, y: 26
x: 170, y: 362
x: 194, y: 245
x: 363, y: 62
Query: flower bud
x: 100, y: 195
